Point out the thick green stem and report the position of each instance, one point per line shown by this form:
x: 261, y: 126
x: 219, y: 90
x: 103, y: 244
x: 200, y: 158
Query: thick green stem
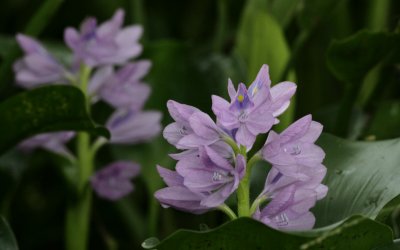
x: 224, y: 208
x: 78, y: 211
x: 243, y: 191
x: 243, y: 196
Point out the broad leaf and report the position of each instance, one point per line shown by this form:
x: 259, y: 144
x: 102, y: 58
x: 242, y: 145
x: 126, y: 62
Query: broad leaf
x: 46, y: 109
x: 244, y: 233
x: 7, y: 239
x: 362, y: 177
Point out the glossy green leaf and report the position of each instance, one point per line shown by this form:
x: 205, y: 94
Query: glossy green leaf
x: 355, y: 233
x: 362, y: 177
x: 352, y: 58
x: 46, y: 109
x: 7, y: 239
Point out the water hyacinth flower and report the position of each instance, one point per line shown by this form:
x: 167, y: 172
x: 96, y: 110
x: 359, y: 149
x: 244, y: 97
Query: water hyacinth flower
x: 253, y: 111
x: 107, y: 43
x: 291, y: 199
x: 192, y: 128
x: 123, y: 88
x: 294, y: 149
x: 177, y: 195
x: 130, y: 127
x: 208, y: 177
x: 289, y: 210
x: 53, y: 142
x: 213, y: 163
x: 113, y: 182
x: 38, y: 66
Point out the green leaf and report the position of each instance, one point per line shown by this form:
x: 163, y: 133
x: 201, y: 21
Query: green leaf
x: 352, y: 58
x: 284, y: 10
x: 45, y: 109
x: 7, y: 239
x: 356, y: 232
x: 314, y: 11
x: 386, y: 121
x: 362, y: 177
x: 260, y: 40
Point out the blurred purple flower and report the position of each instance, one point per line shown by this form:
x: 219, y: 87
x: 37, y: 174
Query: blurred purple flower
x: 294, y: 149
x: 253, y: 111
x: 200, y: 182
x: 129, y: 126
x: 114, y: 181
x: 107, y: 43
x: 53, y: 142
x: 123, y: 88
x: 37, y: 66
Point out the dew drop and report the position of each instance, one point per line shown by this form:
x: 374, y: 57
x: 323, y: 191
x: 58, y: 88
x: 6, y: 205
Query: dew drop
x: 150, y: 243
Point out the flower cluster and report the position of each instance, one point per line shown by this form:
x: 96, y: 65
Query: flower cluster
x: 213, y: 163
x: 101, y: 67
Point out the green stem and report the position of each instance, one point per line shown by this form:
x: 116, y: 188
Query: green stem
x: 232, y: 143
x: 224, y: 208
x: 256, y: 203
x: 243, y: 191
x: 78, y: 212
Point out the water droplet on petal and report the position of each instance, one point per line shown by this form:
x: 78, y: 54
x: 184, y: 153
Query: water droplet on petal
x: 293, y: 150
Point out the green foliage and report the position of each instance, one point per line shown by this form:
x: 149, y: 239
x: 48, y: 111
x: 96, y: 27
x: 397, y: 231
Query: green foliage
x: 356, y: 232
x: 46, y: 109
x: 7, y: 239
x: 362, y: 177
x: 352, y: 58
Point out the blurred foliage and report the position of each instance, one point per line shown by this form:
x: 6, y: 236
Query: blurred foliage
x: 195, y: 46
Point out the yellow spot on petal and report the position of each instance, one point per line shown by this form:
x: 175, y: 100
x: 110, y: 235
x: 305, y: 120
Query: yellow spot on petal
x: 240, y: 98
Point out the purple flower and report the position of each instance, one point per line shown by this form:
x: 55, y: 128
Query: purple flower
x: 122, y: 89
x: 192, y: 128
x: 289, y: 210
x: 104, y: 44
x: 37, y: 66
x: 211, y: 175
x: 114, y: 181
x: 253, y: 111
x: 129, y: 126
x: 294, y: 149
x: 177, y: 195
x: 205, y: 180
x: 53, y: 142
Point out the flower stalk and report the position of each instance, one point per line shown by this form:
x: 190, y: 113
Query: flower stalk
x: 78, y: 212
